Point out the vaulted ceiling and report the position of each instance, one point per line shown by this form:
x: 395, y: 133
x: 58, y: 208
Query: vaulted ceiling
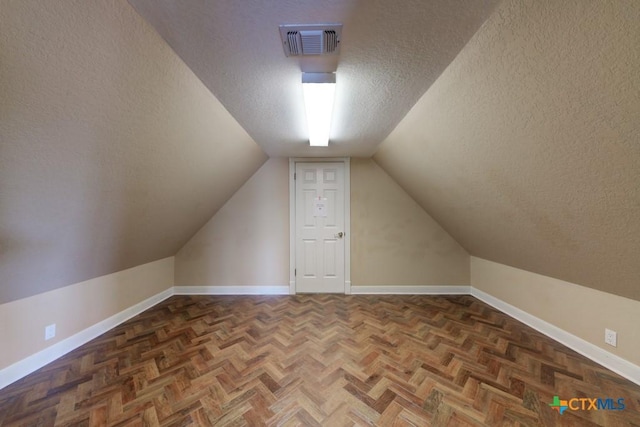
x: 527, y: 148
x: 515, y: 125
x: 112, y: 152
x: 390, y: 53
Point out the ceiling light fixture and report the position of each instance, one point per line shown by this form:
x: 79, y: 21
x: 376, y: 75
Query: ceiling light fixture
x: 319, y: 89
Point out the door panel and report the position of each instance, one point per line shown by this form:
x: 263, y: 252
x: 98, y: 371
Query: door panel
x: 330, y: 262
x: 319, y: 220
x: 330, y: 220
x: 309, y: 221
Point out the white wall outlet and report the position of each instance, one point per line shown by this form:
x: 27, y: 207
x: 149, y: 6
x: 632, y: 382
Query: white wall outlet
x: 611, y: 337
x: 50, y: 331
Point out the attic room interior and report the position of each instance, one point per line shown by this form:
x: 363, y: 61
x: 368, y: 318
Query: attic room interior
x: 476, y: 256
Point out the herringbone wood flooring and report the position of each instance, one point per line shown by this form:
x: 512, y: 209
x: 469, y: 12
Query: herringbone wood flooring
x: 317, y: 360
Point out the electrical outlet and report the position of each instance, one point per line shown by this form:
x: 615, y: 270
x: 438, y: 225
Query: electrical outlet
x: 50, y: 331
x: 611, y: 337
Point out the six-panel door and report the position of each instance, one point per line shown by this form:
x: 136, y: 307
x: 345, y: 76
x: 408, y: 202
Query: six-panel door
x: 320, y: 227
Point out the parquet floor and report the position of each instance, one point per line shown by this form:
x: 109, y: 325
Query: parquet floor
x: 313, y: 360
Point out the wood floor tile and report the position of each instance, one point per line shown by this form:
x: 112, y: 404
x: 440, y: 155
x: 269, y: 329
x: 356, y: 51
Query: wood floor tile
x: 317, y: 360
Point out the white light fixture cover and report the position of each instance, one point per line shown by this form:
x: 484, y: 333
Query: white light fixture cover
x: 319, y: 89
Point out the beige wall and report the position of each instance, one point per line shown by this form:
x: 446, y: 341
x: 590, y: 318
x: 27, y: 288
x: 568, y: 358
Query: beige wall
x: 579, y: 310
x: 76, y: 307
x: 246, y: 243
x: 526, y: 149
x: 112, y: 152
x: 393, y: 240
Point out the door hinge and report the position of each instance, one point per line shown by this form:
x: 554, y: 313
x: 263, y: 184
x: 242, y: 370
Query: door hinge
x: 294, y: 176
x: 295, y: 271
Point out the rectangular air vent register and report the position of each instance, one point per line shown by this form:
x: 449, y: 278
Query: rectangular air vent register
x: 321, y: 39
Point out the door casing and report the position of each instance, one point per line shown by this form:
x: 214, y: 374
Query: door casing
x: 347, y: 218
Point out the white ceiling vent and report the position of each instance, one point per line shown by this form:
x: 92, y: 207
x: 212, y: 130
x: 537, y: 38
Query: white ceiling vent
x: 316, y: 39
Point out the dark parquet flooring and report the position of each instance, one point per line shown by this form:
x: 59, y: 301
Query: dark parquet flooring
x: 330, y: 360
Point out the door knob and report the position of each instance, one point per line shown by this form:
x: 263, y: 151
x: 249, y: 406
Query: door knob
x: 339, y: 235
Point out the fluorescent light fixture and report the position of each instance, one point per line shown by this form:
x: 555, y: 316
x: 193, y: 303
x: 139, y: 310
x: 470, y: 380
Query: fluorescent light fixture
x: 319, y: 89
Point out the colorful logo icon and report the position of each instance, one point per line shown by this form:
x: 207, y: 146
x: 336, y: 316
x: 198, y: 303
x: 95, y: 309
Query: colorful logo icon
x: 559, y: 405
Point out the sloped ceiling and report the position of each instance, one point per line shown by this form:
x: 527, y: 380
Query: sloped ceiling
x: 527, y: 148
x: 391, y: 52
x: 112, y: 152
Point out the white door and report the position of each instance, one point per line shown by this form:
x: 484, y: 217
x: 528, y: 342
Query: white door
x: 320, y: 227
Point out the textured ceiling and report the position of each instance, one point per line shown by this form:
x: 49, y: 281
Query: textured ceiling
x: 112, y: 152
x: 391, y: 52
x: 527, y: 148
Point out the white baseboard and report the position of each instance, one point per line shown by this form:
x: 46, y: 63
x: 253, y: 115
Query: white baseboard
x: 36, y: 361
x: 231, y: 290
x: 585, y: 348
x: 410, y: 290
x: 30, y: 364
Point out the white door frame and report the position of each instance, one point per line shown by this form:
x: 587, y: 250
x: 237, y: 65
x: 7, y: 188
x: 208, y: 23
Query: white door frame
x: 347, y: 218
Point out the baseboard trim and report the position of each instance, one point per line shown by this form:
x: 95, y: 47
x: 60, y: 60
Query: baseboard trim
x: 231, y: 290
x: 410, y: 290
x: 36, y: 361
x: 24, y: 367
x: 591, y: 351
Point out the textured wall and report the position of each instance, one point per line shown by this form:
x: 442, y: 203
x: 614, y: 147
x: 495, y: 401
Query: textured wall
x: 112, y: 152
x: 23, y: 321
x: 246, y: 243
x: 582, y: 311
x: 526, y: 149
x: 393, y: 240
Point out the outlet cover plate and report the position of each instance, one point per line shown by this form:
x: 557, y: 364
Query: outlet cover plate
x: 611, y: 337
x: 50, y: 331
